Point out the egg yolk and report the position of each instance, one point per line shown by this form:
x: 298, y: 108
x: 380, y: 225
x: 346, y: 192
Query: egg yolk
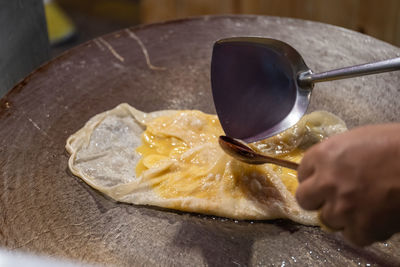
x: 181, y: 157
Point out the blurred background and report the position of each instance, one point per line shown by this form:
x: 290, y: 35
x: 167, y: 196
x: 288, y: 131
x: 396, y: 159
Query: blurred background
x: 90, y: 18
x: 71, y: 22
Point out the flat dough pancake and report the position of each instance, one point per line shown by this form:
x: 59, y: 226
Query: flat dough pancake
x: 103, y: 153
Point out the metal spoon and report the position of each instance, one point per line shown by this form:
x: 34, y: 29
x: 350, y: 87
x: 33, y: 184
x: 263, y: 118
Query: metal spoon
x: 262, y: 86
x: 244, y: 153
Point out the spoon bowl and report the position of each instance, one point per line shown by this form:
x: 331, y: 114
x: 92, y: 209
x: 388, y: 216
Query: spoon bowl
x: 240, y: 151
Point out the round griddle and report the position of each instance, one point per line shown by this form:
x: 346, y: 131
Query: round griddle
x: 45, y: 209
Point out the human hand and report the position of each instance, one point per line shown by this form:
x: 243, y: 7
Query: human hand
x: 354, y: 180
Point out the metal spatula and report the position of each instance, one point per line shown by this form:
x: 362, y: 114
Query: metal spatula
x: 262, y: 86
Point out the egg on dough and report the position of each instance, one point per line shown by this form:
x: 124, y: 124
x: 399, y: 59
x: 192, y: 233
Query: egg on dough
x: 172, y: 159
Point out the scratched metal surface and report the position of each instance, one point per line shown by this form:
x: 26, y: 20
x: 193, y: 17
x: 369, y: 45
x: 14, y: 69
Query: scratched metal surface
x: 44, y: 209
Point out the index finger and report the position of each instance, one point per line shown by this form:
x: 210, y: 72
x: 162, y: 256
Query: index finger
x: 309, y: 195
x: 306, y: 168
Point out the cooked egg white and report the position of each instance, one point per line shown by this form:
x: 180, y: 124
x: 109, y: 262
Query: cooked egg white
x: 172, y: 159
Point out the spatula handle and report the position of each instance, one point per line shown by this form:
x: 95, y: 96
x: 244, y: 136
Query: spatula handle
x: 309, y: 78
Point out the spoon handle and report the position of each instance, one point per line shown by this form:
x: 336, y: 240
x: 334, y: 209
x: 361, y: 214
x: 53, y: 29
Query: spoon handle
x: 281, y: 162
x: 309, y: 78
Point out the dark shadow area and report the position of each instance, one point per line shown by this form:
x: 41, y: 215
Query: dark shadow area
x: 371, y: 254
x: 221, y: 243
x: 87, y: 28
